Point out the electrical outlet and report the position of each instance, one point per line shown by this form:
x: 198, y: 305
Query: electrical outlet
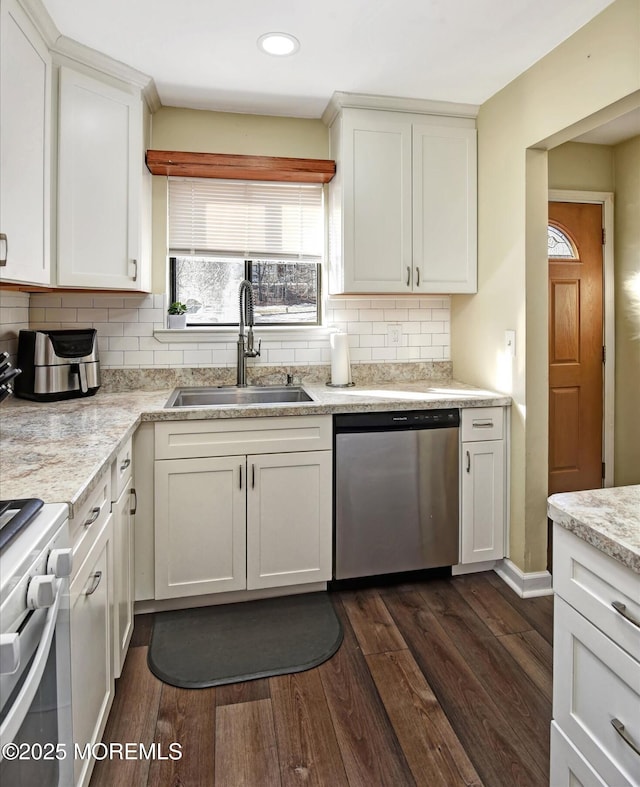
x: 394, y: 334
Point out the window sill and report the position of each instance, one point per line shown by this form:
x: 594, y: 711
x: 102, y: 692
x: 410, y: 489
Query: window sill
x: 226, y: 335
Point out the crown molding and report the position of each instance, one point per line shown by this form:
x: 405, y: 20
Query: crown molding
x: 340, y: 101
x: 44, y: 24
x: 66, y: 49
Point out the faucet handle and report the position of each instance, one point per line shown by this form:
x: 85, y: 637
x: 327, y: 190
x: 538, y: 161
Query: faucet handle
x: 289, y: 379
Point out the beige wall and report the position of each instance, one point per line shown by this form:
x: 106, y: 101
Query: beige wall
x: 570, y: 89
x: 581, y: 167
x: 200, y: 131
x: 627, y: 276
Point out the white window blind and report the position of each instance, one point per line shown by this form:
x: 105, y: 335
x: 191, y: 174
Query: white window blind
x: 245, y: 218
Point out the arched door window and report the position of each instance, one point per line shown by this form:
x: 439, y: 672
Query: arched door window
x: 560, y: 245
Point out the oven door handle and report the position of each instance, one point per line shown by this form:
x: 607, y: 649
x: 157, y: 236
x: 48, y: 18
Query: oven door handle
x: 20, y: 707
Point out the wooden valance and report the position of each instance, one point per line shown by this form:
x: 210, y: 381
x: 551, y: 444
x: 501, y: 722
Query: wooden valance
x: 236, y: 167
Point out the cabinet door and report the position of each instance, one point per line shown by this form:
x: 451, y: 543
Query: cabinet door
x: 25, y: 143
x: 444, y: 209
x: 376, y: 182
x: 99, y: 183
x: 200, y: 523
x: 288, y: 519
x: 122, y: 577
x: 483, y: 507
x: 92, y: 684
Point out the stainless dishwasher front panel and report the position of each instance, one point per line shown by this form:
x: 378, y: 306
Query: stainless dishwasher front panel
x: 396, y: 501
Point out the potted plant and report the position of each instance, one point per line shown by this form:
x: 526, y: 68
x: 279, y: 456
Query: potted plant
x: 177, y: 315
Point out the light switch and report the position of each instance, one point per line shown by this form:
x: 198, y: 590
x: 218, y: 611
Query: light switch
x: 510, y: 343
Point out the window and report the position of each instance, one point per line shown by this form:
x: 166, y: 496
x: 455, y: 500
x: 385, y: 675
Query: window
x: 222, y: 231
x: 560, y: 245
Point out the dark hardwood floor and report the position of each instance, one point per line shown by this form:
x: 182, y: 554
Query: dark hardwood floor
x: 443, y: 682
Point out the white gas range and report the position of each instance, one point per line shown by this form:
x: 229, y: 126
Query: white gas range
x: 36, y: 743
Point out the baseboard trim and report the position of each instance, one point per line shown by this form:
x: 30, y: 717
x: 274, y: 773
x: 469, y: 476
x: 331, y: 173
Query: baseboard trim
x: 472, y: 568
x: 533, y: 583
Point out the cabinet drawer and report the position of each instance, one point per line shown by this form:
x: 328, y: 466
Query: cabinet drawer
x: 482, y: 423
x: 568, y: 767
x: 228, y: 437
x: 592, y: 582
x: 121, y: 470
x: 601, y: 684
x: 86, y: 524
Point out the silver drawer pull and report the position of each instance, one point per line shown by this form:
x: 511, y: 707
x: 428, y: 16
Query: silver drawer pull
x: 134, y: 506
x: 95, y: 513
x: 417, y: 277
x: 622, y: 609
x: 618, y: 726
x: 468, y: 462
x: 408, y: 275
x: 94, y: 584
x: 125, y: 464
x: 483, y: 424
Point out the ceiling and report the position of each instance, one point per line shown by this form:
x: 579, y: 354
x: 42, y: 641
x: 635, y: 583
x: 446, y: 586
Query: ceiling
x: 203, y: 53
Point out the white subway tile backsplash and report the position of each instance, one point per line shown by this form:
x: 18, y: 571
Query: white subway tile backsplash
x: 124, y: 315
x: 57, y: 314
x: 137, y: 358
x: 94, y: 315
x: 126, y: 325
x: 126, y: 343
x: 109, y: 328
x: 197, y: 357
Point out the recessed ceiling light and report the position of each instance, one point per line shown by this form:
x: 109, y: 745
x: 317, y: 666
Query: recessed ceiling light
x: 278, y: 44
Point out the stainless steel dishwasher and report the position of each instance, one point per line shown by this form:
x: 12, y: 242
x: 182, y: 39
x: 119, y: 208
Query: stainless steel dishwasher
x: 396, y: 492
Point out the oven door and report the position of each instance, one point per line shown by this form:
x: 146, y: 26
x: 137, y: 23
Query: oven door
x: 35, y: 714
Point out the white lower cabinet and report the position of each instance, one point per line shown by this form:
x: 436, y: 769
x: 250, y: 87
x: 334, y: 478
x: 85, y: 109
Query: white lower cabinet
x: 482, y: 474
x: 243, y: 521
x: 92, y: 682
x: 288, y: 519
x: 123, y: 577
x: 200, y: 531
x: 596, y: 666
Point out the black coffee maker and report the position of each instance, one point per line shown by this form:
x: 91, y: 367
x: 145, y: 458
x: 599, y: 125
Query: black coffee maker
x: 61, y: 364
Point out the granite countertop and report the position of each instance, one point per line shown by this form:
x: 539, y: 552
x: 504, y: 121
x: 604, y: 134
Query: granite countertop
x: 609, y: 519
x: 58, y: 451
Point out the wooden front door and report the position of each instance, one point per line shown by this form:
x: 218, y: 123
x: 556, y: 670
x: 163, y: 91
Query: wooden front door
x: 575, y: 346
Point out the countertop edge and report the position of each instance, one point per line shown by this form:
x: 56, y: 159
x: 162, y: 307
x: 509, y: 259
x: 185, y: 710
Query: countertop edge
x: 597, y: 536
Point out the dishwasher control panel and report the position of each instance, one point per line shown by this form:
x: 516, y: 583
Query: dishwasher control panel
x: 407, y: 419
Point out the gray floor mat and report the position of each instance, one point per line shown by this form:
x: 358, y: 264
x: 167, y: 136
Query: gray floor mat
x: 212, y: 646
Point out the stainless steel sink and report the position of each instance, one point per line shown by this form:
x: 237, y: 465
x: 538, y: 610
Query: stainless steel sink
x: 251, y: 394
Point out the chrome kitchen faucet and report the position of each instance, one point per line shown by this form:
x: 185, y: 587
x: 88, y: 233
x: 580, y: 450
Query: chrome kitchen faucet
x: 245, y: 295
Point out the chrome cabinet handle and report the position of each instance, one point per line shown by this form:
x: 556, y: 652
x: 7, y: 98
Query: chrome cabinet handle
x: 417, y: 277
x: 240, y: 468
x: 622, y: 610
x: 95, y: 513
x: 5, y: 241
x: 482, y: 424
x: 618, y: 726
x: 135, y: 265
x: 134, y: 508
x: 94, y: 584
x: 468, y: 462
x: 125, y: 464
x: 408, y: 275
x: 253, y: 476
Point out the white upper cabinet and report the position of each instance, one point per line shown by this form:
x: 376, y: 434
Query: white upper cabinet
x: 100, y: 162
x: 25, y: 143
x: 402, y: 207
